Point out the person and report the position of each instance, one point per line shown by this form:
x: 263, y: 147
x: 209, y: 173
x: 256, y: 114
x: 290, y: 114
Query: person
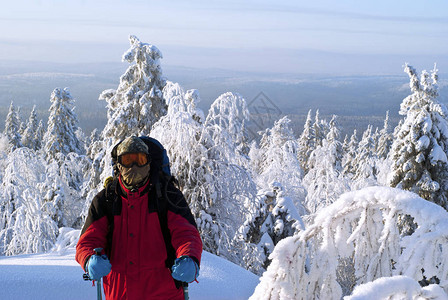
x: 135, y: 244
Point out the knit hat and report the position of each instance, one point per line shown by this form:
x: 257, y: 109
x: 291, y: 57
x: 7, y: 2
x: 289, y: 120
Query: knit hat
x: 132, y: 144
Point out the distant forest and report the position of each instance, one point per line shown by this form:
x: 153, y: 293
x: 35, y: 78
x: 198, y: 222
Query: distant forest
x: 358, y: 101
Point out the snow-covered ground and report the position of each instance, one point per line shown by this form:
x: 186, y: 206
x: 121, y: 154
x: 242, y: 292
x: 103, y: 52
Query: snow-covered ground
x: 55, y: 276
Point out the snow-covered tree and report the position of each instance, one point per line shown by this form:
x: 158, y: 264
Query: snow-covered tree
x: 364, y: 162
x: 40, y: 133
x: 397, y: 287
x: 229, y: 185
x: 421, y: 142
x: 132, y: 108
x: 138, y: 101
x: 215, y: 188
x: 384, y: 140
x: 320, y: 129
x: 361, y: 226
x: 333, y: 136
x: 306, y: 143
x: 12, y: 127
x: 26, y: 223
x: 29, y: 137
x: 180, y: 132
x: 62, y: 187
x: 324, y: 181
x: 276, y: 161
x: 225, y: 127
x: 273, y: 219
x: 60, y: 136
x: 350, y: 152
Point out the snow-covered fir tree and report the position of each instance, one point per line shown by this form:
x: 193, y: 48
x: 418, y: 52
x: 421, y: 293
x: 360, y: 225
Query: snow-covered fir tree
x: 384, y: 139
x: 320, y: 129
x: 365, y: 161
x: 132, y: 108
x: 30, y: 136
x: 275, y: 160
x: 94, y: 136
x: 138, y: 101
x: 26, y: 223
x: 225, y: 126
x: 421, y: 142
x: 22, y: 126
x: 361, y: 226
x: 40, y: 133
x: 215, y: 188
x: 274, y: 218
x: 306, y: 143
x: 64, y: 180
x: 324, y: 181
x: 229, y: 184
x: 12, y: 127
x: 349, y: 156
x: 61, y: 136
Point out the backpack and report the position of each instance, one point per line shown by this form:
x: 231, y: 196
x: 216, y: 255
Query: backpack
x: 160, y: 175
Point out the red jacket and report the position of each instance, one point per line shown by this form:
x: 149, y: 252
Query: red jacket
x: 137, y: 251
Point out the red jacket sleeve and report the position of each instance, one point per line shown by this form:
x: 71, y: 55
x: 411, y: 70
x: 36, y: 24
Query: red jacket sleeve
x: 185, y: 236
x: 94, y: 231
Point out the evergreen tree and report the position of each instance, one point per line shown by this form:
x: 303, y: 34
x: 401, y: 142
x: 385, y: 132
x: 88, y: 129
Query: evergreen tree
x: 26, y: 224
x: 421, y: 142
x: 345, y: 144
x: 276, y: 161
x: 361, y: 227
x: 320, y: 130
x: 335, y: 145
x: 365, y: 169
x: 134, y: 107
x: 275, y: 218
x: 40, y: 133
x: 94, y: 136
x: 324, y: 180
x: 350, y: 152
x: 12, y: 127
x: 138, y: 101
x: 225, y: 126
x: 306, y: 143
x: 229, y: 185
x: 384, y: 140
x: 62, y: 125
x: 29, y: 137
x: 201, y: 159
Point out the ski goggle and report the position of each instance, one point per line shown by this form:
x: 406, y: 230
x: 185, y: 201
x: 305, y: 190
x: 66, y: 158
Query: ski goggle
x: 127, y: 160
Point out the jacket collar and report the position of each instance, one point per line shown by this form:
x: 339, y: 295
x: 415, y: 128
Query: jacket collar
x: 141, y: 190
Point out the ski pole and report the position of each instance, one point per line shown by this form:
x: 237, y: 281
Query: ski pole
x: 185, y: 288
x: 98, y: 282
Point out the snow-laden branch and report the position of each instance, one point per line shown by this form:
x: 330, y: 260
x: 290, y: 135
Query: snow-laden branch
x: 402, y: 287
x: 361, y: 226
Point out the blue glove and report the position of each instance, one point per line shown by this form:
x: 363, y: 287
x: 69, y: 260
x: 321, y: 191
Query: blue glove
x: 185, y: 269
x: 98, y: 266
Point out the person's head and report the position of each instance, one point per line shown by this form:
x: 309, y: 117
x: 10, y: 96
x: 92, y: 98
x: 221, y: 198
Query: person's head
x: 133, y: 161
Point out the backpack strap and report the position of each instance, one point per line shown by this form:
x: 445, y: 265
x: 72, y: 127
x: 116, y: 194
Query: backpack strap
x: 111, y: 209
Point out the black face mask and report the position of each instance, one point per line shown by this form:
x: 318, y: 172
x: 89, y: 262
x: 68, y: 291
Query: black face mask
x: 134, y: 176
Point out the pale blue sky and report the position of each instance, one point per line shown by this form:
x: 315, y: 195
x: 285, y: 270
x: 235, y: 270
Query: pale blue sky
x: 280, y: 36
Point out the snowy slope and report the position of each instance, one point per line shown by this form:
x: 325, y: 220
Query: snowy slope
x: 54, y: 276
